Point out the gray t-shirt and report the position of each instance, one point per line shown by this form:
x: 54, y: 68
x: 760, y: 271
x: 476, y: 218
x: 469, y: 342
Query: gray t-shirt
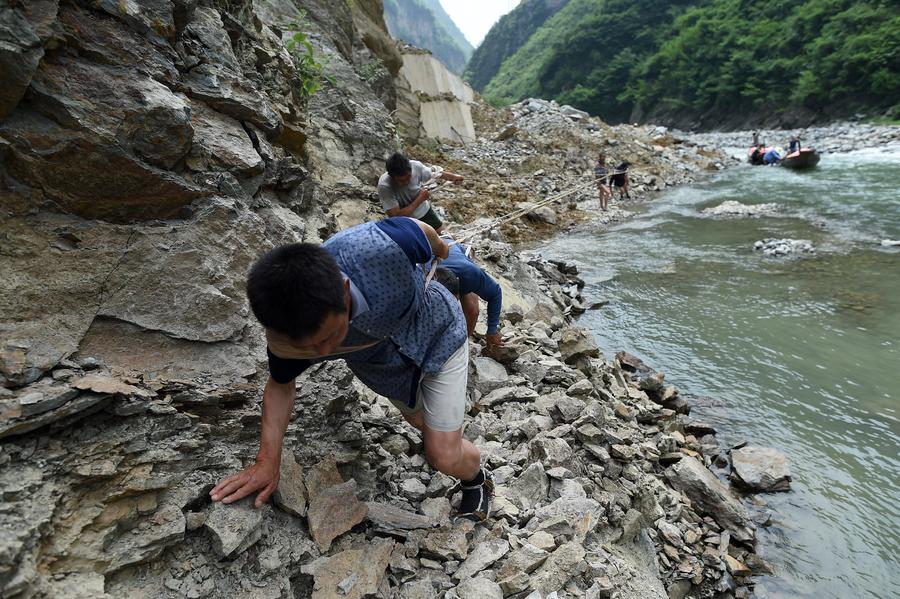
x: 400, y: 197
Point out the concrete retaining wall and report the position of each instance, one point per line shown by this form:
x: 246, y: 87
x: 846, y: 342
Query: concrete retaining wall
x: 427, y: 74
x: 443, y: 106
x: 447, y: 119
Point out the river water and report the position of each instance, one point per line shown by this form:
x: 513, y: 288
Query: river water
x: 798, y: 354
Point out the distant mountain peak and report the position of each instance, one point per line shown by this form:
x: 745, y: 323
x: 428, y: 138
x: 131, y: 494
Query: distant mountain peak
x: 425, y: 23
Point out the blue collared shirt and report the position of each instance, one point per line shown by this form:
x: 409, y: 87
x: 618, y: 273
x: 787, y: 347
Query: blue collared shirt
x: 358, y: 303
x: 414, y: 329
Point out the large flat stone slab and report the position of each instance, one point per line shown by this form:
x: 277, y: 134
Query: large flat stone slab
x: 334, y: 511
x: 355, y: 573
x: 234, y: 527
x: 710, y: 496
x: 760, y: 469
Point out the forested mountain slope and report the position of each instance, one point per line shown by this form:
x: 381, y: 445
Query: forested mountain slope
x: 424, y: 23
x: 710, y: 63
x: 506, y: 37
x: 450, y: 25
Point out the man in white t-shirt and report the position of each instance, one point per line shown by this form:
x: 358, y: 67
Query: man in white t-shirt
x: 402, y: 193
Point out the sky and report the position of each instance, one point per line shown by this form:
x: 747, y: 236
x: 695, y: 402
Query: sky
x: 475, y: 17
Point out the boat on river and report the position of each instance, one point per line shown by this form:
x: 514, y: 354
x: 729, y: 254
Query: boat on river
x: 801, y: 159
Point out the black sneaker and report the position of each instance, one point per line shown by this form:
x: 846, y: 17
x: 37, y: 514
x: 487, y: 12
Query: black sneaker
x: 475, y: 504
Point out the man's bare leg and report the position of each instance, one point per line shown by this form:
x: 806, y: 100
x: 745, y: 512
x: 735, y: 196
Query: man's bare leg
x: 447, y: 452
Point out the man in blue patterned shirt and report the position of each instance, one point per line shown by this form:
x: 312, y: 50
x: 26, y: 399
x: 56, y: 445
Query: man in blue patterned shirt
x: 361, y: 297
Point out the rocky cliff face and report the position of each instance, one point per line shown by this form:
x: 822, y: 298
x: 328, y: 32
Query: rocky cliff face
x: 150, y: 151
x: 168, y: 143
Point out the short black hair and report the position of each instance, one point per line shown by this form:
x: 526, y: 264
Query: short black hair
x: 294, y: 287
x: 398, y: 165
x: 448, y: 279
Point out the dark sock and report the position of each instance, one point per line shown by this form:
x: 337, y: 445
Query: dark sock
x: 478, y: 480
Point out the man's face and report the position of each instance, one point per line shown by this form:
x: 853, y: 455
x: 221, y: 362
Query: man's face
x: 403, y: 180
x: 329, y: 336
x: 330, y: 333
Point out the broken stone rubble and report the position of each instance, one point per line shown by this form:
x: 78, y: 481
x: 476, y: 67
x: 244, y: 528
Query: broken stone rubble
x: 133, y: 386
x: 586, y: 484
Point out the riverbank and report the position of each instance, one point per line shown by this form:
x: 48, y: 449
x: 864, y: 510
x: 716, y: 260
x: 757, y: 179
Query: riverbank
x: 831, y: 139
x: 603, y: 484
x: 146, y: 162
x: 796, y: 349
x: 536, y: 149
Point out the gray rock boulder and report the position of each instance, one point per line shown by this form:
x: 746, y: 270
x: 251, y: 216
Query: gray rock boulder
x: 489, y: 374
x: 448, y: 542
x: 558, y: 568
x: 575, y: 344
x: 531, y: 487
x: 551, y: 451
x: 734, y: 208
x: 507, y: 394
x: 355, y: 573
x: 526, y: 559
x: 712, y: 497
x: 291, y: 492
x: 479, y: 588
x: 760, y: 469
x: 482, y: 556
x: 234, y: 527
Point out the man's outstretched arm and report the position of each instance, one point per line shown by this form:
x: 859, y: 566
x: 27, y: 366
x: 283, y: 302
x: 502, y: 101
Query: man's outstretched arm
x: 278, y: 401
x: 448, y: 176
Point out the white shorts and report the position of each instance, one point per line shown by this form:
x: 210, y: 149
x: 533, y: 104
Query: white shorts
x: 442, y: 396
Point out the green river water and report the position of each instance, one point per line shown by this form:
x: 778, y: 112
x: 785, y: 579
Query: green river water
x: 798, y: 354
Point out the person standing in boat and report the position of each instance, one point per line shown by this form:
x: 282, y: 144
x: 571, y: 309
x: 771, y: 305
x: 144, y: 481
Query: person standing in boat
x: 793, y: 145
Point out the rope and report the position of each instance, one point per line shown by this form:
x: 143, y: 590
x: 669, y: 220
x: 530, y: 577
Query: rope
x: 509, y: 216
x: 518, y: 213
x: 438, y: 188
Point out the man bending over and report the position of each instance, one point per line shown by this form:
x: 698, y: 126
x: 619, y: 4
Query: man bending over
x: 361, y: 297
x: 474, y: 283
x: 402, y: 193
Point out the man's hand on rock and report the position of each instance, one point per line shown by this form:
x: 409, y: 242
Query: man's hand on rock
x: 261, y: 475
x: 493, y: 340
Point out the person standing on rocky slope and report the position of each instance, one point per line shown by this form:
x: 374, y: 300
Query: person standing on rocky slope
x: 601, y: 174
x: 361, y: 297
x: 402, y: 193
